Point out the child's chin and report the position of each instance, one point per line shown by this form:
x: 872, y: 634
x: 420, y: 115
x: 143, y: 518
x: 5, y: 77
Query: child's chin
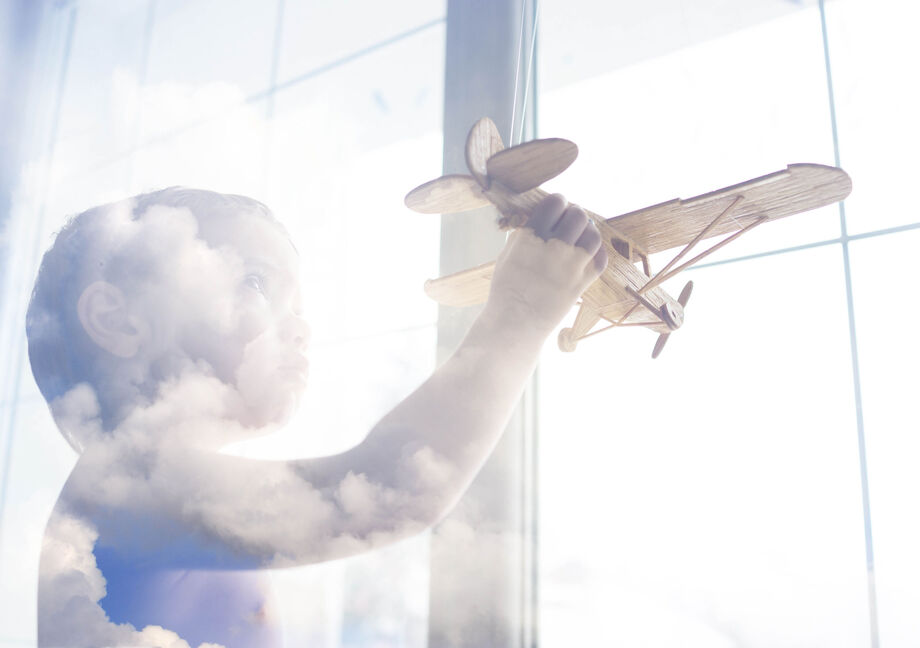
x: 274, y: 410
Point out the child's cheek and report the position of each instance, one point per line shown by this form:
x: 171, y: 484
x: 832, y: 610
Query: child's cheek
x: 269, y: 396
x: 253, y: 321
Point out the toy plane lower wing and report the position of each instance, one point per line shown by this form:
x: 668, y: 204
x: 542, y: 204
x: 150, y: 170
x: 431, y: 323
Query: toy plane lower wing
x: 464, y: 288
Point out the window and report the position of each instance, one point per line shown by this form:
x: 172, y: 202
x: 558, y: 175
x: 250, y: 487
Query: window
x: 754, y: 486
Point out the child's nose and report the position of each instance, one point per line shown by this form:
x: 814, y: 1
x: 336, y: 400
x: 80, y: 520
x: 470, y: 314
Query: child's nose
x: 296, y: 331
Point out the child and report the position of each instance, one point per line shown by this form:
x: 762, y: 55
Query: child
x: 162, y: 328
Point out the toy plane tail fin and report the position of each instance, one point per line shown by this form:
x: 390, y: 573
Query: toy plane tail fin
x: 483, y: 142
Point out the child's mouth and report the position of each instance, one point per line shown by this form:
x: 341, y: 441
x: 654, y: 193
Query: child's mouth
x: 296, y: 371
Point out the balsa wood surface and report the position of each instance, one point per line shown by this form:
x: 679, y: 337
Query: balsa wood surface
x: 483, y: 142
x: 447, y: 195
x: 529, y: 165
x: 798, y: 188
x: 464, y: 288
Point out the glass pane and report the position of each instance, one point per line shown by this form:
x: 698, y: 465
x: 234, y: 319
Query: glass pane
x: 204, y: 56
x: 889, y: 354
x: 686, y: 121
x: 319, y: 32
x: 225, y: 152
x: 39, y: 463
x: 710, y: 497
x: 88, y: 188
x: 346, y: 148
x: 99, y: 108
x: 590, y: 38
x: 873, y: 49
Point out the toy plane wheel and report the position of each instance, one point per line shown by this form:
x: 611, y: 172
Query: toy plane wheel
x: 566, y: 340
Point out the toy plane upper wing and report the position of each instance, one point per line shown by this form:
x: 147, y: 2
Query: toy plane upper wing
x: 798, y: 188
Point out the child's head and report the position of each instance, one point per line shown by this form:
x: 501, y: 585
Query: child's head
x: 134, y: 293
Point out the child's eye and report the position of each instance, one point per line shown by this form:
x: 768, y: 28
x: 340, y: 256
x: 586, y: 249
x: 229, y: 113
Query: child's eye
x: 256, y: 282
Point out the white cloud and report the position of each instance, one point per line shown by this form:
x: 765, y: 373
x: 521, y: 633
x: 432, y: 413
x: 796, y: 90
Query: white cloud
x: 77, y: 415
x: 479, y: 606
x: 70, y: 588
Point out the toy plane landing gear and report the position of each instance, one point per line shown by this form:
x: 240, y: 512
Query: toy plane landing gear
x: 627, y: 293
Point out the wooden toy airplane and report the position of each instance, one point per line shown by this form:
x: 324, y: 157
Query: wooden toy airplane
x: 625, y: 294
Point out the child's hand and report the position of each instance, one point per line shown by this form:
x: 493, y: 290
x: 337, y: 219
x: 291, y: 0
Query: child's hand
x: 547, y: 265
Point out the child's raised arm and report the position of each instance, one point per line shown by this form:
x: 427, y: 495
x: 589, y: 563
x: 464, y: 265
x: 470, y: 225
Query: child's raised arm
x: 419, y: 459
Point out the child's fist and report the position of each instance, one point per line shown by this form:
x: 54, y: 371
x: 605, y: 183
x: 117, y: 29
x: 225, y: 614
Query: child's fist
x: 554, y: 218
x: 547, y: 265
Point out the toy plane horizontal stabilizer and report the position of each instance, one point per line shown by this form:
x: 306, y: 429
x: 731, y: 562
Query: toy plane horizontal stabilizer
x: 447, y: 195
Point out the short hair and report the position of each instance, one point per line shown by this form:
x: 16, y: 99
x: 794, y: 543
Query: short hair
x: 86, y: 249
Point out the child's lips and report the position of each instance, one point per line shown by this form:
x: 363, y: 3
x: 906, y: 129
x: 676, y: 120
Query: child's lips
x: 297, y: 368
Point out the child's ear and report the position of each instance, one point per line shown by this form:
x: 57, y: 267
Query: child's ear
x: 104, y: 314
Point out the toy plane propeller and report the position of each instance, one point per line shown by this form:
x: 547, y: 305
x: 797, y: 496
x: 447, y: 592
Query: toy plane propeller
x: 627, y: 293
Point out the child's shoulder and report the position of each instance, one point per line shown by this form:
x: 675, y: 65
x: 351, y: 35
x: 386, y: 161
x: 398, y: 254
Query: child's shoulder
x: 133, y: 534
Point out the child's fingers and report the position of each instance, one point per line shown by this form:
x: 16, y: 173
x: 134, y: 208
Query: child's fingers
x: 546, y: 215
x: 600, y: 259
x: 590, y: 239
x: 571, y: 225
x: 554, y: 218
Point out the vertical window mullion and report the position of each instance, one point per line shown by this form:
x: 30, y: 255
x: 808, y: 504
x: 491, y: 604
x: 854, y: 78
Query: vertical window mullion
x: 487, y: 48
